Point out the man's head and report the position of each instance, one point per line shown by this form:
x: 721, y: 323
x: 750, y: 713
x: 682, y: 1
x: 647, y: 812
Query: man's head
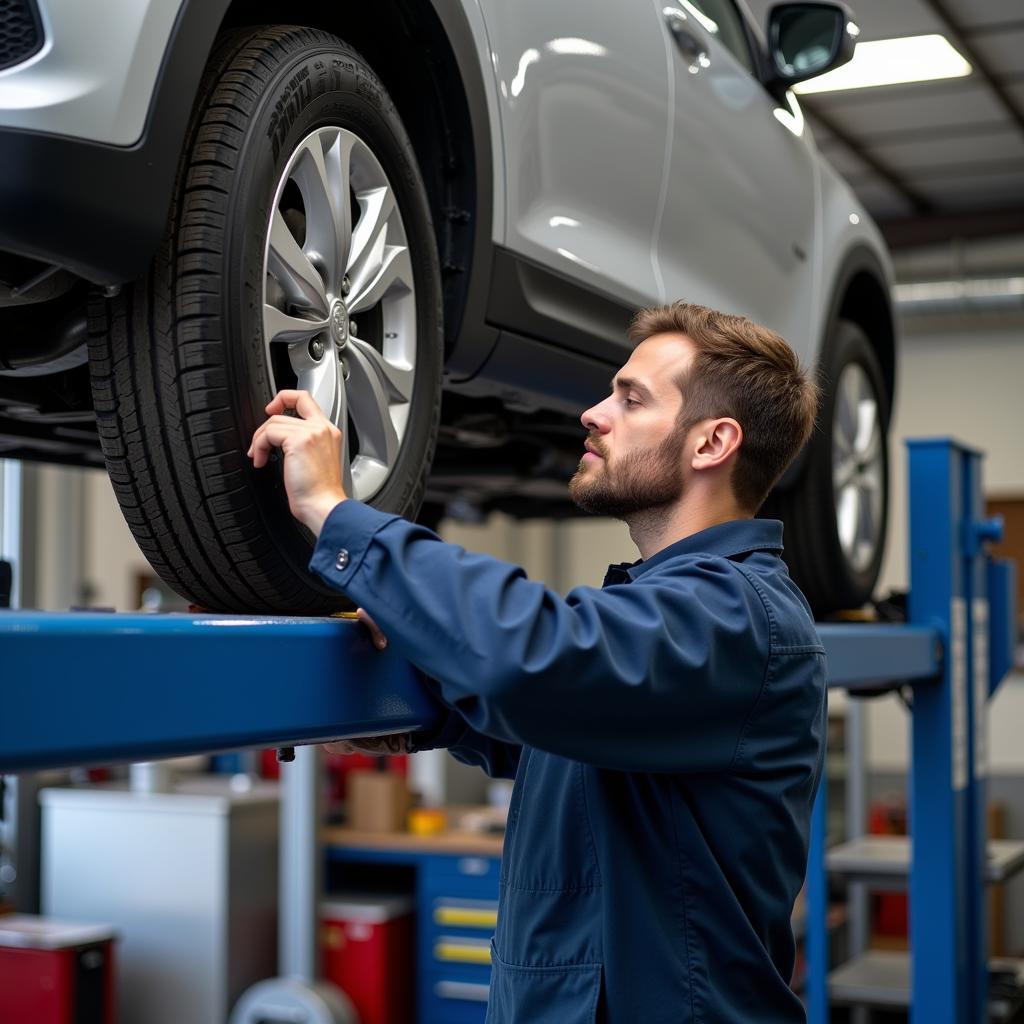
x: 707, y: 399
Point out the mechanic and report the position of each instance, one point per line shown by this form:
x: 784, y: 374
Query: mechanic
x: 666, y: 732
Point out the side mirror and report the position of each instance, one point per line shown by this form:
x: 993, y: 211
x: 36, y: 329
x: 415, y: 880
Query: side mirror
x: 806, y: 40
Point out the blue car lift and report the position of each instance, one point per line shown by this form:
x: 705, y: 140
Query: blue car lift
x: 87, y: 688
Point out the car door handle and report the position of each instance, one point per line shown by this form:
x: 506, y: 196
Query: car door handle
x: 689, y: 44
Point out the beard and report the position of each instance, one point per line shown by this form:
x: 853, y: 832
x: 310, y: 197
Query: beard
x: 645, y: 480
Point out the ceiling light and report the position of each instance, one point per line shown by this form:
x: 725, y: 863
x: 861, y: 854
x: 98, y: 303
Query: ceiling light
x: 892, y: 62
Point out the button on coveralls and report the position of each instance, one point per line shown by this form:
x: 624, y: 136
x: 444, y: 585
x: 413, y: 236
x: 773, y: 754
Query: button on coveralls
x: 666, y: 736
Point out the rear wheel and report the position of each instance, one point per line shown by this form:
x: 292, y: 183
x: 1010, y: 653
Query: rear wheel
x: 299, y: 253
x: 836, y: 514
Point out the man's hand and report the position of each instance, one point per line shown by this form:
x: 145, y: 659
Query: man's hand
x: 312, y: 455
x: 393, y: 744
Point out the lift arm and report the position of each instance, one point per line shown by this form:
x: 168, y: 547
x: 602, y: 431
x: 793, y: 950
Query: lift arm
x: 93, y: 688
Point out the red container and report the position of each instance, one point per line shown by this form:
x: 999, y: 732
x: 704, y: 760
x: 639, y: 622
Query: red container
x: 55, y: 972
x: 368, y: 954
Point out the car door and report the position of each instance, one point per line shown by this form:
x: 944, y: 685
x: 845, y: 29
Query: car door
x: 738, y: 231
x: 584, y: 92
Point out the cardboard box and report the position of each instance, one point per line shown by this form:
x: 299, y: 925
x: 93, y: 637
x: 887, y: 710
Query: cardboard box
x: 377, y: 802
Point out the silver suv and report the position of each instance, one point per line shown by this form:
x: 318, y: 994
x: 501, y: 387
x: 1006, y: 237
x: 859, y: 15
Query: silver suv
x: 437, y: 217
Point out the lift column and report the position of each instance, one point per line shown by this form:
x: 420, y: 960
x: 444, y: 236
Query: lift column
x: 948, y: 587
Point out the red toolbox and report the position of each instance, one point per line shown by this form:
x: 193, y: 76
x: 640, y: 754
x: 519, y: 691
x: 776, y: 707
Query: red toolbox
x: 368, y: 954
x: 55, y: 972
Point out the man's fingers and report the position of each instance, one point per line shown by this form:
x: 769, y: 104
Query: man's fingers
x: 301, y: 401
x: 340, y: 747
x: 380, y: 641
x: 271, y: 434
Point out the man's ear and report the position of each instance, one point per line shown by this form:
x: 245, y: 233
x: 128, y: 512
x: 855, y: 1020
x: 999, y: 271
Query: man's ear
x: 717, y: 442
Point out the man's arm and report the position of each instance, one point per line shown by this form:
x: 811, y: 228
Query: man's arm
x: 652, y: 676
x: 646, y: 676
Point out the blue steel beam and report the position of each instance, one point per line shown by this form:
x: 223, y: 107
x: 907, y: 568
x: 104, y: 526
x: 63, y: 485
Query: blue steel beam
x: 864, y: 656
x: 93, y: 688
x: 97, y: 688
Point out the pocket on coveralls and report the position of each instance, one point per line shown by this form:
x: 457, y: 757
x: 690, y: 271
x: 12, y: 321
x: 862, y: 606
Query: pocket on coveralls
x: 564, y: 994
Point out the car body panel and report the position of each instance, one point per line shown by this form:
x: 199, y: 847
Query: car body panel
x: 738, y: 231
x: 584, y: 116
x: 95, y: 75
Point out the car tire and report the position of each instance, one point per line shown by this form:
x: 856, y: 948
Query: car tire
x: 836, y: 514
x: 184, y: 360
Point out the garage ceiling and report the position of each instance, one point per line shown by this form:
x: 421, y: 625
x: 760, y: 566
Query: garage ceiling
x: 933, y: 160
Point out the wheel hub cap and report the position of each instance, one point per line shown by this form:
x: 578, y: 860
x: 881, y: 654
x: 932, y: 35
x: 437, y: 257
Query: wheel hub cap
x: 339, y: 323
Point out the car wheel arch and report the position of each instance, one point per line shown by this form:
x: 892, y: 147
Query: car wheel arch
x: 452, y: 111
x: 859, y: 294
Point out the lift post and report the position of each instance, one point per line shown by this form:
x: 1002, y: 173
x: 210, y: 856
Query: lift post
x: 964, y: 600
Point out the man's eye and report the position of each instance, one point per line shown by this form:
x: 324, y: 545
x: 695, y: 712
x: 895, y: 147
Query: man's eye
x: 631, y: 402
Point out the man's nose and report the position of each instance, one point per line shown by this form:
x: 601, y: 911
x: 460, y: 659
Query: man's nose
x: 594, y: 420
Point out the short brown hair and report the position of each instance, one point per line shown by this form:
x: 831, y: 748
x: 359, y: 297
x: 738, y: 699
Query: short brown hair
x: 747, y: 372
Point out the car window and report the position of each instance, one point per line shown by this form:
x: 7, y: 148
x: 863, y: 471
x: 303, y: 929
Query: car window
x: 723, y: 21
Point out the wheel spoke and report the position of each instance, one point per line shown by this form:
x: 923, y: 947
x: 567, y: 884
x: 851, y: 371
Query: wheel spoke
x: 870, y: 449
x: 846, y: 415
x: 319, y: 377
x: 866, y: 517
x: 395, y: 268
x: 846, y: 517
x: 369, y: 407
x: 370, y: 232
x: 280, y: 327
x: 299, y: 279
x: 843, y: 473
x: 867, y: 424
x: 322, y: 174
x: 397, y: 380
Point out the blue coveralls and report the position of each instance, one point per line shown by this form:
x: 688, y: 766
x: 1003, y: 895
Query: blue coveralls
x: 666, y: 735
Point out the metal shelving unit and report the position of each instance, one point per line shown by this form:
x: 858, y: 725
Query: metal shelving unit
x: 884, y: 861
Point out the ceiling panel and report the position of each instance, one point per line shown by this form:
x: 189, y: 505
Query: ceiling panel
x: 882, y: 201
x: 877, y: 19
x: 975, y: 192
x: 911, y: 107
x: 1002, y: 52
x: 845, y: 161
x: 918, y: 153
x: 985, y: 12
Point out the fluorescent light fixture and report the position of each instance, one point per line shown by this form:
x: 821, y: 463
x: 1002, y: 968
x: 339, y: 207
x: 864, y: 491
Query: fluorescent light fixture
x: 973, y: 295
x: 892, y: 62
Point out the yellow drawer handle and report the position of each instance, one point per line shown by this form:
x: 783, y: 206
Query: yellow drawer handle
x: 460, y: 953
x: 466, y: 917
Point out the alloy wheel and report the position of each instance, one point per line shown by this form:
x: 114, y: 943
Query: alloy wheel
x: 339, y: 302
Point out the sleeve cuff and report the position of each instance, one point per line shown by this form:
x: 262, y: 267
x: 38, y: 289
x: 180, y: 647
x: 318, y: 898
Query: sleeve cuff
x: 344, y: 540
